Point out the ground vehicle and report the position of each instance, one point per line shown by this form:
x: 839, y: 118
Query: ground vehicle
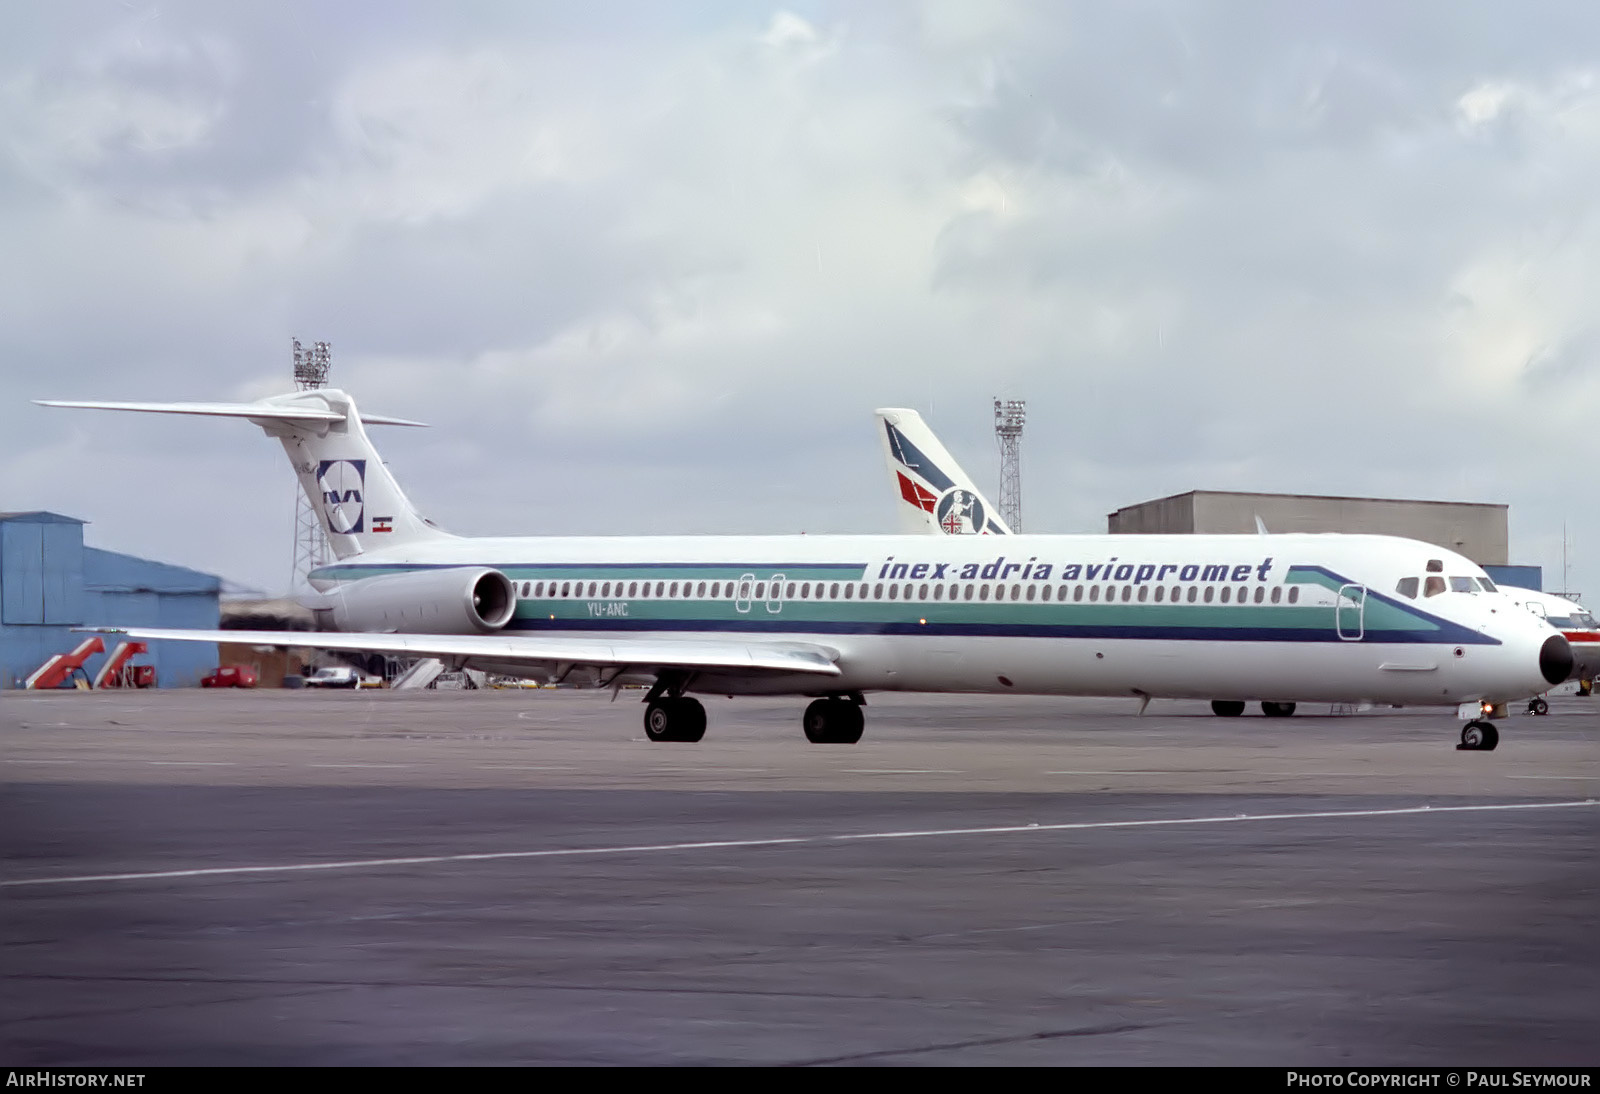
x: 230, y: 676
x: 334, y: 676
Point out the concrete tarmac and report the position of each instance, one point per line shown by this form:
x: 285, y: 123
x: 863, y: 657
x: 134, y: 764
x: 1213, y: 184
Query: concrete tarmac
x: 519, y: 877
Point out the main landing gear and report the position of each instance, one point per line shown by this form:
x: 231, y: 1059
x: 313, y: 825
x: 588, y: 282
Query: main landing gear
x: 675, y: 718
x: 1537, y: 705
x: 1478, y: 736
x: 1277, y: 710
x: 833, y: 722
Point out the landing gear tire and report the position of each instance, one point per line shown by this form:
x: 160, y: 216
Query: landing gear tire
x: 1227, y: 708
x: 1277, y: 710
x: 1538, y: 706
x: 833, y: 722
x: 1478, y: 737
x: 675, y: 720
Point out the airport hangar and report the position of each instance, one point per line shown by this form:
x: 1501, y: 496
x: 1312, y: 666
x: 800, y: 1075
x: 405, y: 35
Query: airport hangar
x: 51, y: 582
x: 1479, y: 531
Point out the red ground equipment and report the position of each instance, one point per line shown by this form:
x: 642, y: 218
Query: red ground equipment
x: 230, y: 676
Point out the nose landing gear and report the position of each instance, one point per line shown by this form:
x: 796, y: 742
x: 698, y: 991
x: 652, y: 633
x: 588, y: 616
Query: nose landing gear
x: 1478, y: 736
x: 1537, y: 705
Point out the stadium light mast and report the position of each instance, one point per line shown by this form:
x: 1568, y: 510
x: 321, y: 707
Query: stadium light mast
x: 310, y: 542
x: 1009, y: 416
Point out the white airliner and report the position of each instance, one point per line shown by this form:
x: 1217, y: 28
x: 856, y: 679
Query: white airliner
x: 1274, y: 618
x: 1572, y: 619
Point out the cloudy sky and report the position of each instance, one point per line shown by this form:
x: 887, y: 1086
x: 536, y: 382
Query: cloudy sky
x: 649, y: 267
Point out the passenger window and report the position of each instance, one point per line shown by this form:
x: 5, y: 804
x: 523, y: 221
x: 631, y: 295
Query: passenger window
x: 1161, y: 593
x: 983, y: 592
x: 1260, y: 593
x: 1224, y: 595
x: 1077, y: 593
x: 1210, y: 592
x: 1094, y: 594
x: 1031, y: 592
x: 661, y: 588
x: 1144, y: 591
x: 1277, y: 593
x: 591, y: 588
x: 864, y: 590
x: 716, y: 590
x: 761, y: 590
x: 1294, y: 594
x: 905, y: 594
x: 1433, y: 586
x: 805, y: 590
x: 744, y: 590
x: 701, y: 590
x: 1016, y: 592
x: 848, y: 589
x: 968, y: 594
x: 892, y: 590
x: 538, y: 589
x: 605, y: 590
x: 938, y: 592
x: 833, y: 590
x: 922, y: 592
x: 1407, y: 588
x: 789, y: 593
x: 877, y: 593
x: 1127, y: 593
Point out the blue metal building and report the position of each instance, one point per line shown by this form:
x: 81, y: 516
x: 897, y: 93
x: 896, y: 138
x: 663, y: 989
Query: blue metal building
x: 50, y: 582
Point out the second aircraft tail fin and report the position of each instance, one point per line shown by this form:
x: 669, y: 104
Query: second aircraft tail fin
x: 936, y: 495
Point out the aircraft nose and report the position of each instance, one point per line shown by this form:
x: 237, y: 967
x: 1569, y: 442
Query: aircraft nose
x: 1555, y: 658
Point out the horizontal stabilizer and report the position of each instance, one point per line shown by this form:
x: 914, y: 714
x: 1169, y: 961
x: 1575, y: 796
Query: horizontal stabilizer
x: 258, y: 411
x: 636, y: 652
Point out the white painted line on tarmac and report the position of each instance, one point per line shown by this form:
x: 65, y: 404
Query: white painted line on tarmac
x: 191, y: 763
x: 1580, y: 778
x: 899, y: 771
x: 523, y: 767
x: 361, y: 765
x: 790, y: 841
x: 41, y: 761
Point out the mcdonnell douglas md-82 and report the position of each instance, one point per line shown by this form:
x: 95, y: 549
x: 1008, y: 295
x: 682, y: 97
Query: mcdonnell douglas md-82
x: 1263, y: 618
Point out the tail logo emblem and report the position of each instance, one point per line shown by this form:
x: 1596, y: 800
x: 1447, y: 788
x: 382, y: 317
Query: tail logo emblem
x: 960, y: 512
x: 341, y: 483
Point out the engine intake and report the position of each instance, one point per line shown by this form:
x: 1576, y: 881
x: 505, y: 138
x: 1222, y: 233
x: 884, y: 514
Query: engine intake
x: 459, y: 600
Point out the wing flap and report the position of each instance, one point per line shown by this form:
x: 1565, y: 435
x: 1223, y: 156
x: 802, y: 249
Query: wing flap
x: 636, y: 652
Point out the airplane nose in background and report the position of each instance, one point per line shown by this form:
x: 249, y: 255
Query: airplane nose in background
x: 1555, y: 659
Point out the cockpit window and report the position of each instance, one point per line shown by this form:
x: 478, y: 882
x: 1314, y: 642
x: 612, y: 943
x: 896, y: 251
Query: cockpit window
x: 1463, y: 585
x: 1488, y: 586
x: 1433, y: 586
x: 1559, y: 622
x: 1407, y: 588
x: 1435, y: 566
x: 1584, y: 620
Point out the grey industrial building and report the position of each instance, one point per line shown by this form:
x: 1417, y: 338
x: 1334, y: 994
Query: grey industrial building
x: 1479, y: 531
x: 51, y: 582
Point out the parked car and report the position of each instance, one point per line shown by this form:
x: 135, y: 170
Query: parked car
x: 230, y: 676
x: 334, y: 676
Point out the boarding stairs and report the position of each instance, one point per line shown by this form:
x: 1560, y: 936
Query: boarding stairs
x: 114, y: 673
x: 56, y: 671
x: 421, y: 674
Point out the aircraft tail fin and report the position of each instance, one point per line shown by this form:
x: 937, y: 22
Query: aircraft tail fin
x: 936, y: 495
x: 361, y: 506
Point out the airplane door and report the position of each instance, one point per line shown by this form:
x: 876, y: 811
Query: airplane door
x: 741, y: 601
x: 775, y: 595
x: 1350, y: 612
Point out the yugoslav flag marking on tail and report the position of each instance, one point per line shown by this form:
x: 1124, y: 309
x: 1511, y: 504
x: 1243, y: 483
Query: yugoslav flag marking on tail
x: 939, y: 497
x: 338, y: 467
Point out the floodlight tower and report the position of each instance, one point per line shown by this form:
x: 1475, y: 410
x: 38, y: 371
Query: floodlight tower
x: 1009, y: 416
x: 310, y: 543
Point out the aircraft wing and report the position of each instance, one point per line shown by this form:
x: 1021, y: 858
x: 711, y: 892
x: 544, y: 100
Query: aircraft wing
x: 629, y: 651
